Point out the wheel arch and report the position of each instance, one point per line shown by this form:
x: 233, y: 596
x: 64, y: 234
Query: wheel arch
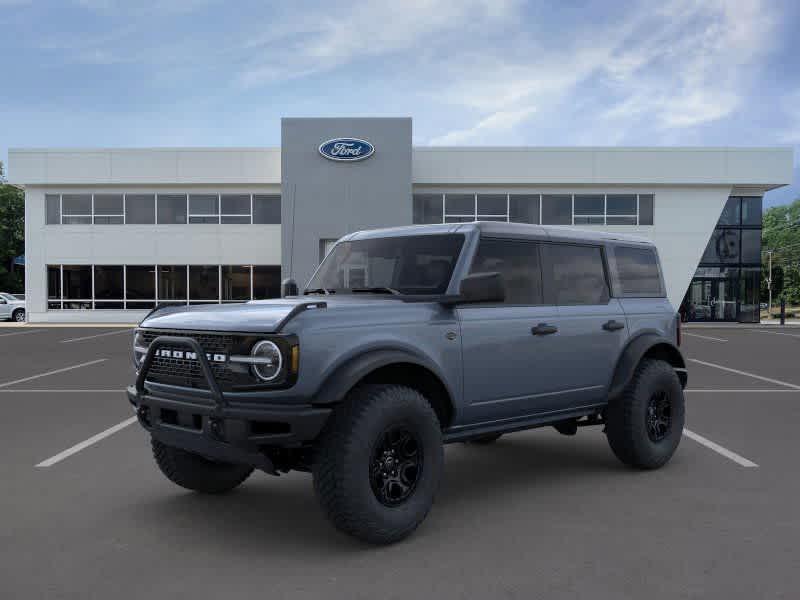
x: 646, y: 345
x: 390, y: 366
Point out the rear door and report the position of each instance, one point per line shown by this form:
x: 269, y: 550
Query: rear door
x: 591, y: 324
x: 506, y: 365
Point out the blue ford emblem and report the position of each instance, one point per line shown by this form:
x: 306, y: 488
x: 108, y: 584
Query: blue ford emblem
x: 346, y: 149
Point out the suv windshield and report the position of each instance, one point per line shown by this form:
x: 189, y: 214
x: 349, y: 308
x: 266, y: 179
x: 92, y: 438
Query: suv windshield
x: 416, y: 264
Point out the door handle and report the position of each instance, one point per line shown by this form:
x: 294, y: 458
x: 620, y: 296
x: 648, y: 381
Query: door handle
x: 543, y: 329
x: 613, y: 325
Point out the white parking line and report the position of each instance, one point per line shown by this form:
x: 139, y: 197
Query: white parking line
x: 24, y: 379
x: 86, y: 391
x: 794, y: 335
x: 730, y: 455
x: 91, y: 337
x: 718, y: 391
x: 745, y: 373
x: 22, y: 332
x: 705, y: 337
x: 86, y: 443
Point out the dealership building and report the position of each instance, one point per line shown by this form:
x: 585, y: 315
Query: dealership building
x: 110, y: 233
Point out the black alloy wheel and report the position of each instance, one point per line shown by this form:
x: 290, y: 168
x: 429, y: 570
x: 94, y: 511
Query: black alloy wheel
x: 659, y: 416
x: 396, y: 466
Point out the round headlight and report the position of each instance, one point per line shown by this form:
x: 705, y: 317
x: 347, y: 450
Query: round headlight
x: 267, y: 360
x: 139, y: 348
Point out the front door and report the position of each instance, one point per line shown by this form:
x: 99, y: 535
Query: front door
x: 712, y: 300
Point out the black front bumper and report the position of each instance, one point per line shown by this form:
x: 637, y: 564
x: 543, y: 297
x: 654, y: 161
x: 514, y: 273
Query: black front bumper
x: 209, y: 425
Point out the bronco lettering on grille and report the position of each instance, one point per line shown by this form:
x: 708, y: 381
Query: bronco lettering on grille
x: 185, y: 355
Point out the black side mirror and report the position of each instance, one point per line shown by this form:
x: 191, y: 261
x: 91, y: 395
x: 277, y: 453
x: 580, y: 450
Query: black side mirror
x: 289, y: 288
x: 482, y: 287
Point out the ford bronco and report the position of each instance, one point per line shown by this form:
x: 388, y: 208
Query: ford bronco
x: 406, y: 339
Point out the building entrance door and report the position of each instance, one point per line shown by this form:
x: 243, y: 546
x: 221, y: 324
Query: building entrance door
x: 712, y: 300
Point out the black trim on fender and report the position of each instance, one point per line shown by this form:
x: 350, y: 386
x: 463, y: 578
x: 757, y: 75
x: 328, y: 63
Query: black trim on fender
x: 632, y: 355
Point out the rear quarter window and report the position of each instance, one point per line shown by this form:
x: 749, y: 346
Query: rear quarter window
x: 638, y: 273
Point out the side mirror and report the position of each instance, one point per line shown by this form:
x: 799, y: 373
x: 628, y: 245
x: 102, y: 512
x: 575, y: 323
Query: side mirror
x: 289, y: 288
x: 482, y: 287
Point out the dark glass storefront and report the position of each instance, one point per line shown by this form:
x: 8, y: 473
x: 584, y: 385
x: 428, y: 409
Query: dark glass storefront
x: 726, y: 284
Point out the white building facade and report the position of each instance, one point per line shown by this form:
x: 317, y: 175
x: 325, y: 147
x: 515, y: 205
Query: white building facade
x: 110, y: 233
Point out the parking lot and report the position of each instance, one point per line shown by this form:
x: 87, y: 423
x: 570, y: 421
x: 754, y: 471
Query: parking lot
x: 84, y: 512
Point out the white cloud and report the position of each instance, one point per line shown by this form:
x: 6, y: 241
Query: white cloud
x: 496, y: 122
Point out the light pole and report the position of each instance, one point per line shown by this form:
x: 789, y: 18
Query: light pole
x: 769, y: 285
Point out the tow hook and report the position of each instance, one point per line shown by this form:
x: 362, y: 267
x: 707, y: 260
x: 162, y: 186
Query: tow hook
x: 216, y: 428
x: 143, y: 414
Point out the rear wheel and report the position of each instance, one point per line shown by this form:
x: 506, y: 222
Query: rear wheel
x: 19, y: 315
x: 197, y: 473
x: 644, y: 424
x: 378, y: 463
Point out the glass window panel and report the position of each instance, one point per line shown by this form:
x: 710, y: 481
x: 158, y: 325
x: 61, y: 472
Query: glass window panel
x: 646, y: 209
x: 171, y: 209
x: 86, y: 305
x: 171, y: 282
x: 731, y: 213
x: 140, y: 282
x: 611, y: 220
x: 54, y: 282
x: 78, y: 282
x: 76, y: 204
x: 492, y: 204
x: 108, y: 204
x: 637, y: 270
x: 53, y: 209
x: 108, y: 282
x: 723, y: 247
x: 751, y: 211
x: 459, y: 219
x: 72, y: 220
x: 750, y: 294
x: 106, y: 305
x: 621, y: 204
x: 267, y: 209
x: 576, y: 274
x: 206, y: 220
x: 589, y: 204
x: 557, y: 209
x: 236, y: 204
x: 524, y: 208
x: 139, y: 305
x: 518, y: 263
x: 427, y: 209
x: 266, y: 281
x: 589, y: 220
x: 235, y: 282
x: 459, y: 204
x: 140, y: 209
x: 234, y: 220
x: 203, y: 204
x: 54, y: 306
x: 203, y: 282
x: 108, y: 220
x: 751, y: 246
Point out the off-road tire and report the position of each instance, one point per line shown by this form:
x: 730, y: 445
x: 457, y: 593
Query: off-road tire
x: 626, y: 416
x: 197, y: 473
x: 18, y: 315
x: 345, y: 455
x: 485, y: 440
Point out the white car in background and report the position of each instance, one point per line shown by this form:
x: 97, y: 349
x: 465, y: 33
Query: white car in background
x: 12, y: 308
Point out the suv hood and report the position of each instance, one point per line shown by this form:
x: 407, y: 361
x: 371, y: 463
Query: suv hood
x: 258, y: 316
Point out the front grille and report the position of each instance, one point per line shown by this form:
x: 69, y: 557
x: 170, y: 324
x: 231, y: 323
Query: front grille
x: 188, y: 373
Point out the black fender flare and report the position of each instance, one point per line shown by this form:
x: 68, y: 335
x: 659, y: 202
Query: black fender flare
x: 343, y: 378
x: 654, y: 343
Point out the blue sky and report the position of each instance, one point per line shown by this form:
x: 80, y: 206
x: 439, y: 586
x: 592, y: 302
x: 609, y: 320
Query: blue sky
x: 470, y: 72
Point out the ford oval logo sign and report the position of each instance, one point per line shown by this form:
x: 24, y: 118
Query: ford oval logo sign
x: 345, y: 149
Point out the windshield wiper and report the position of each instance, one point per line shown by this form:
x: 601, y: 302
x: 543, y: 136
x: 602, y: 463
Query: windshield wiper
x: 320, y: 290
x: 376, y: 290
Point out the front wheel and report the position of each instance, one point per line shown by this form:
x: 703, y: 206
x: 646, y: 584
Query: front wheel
x: 644, y: 424
x: 378, y: 463
x: 197, y: 473
x: 19, y: 315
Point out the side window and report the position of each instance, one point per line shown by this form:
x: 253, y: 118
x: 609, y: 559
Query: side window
x: 637, y: 270
x: 517, y: 262
x: 575, y: 274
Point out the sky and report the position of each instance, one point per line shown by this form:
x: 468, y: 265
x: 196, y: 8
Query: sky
x: 107, y: 73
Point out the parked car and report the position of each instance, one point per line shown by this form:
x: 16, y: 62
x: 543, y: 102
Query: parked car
x: 763, y: 306
x: 403, y: 340
x: 12, y: 308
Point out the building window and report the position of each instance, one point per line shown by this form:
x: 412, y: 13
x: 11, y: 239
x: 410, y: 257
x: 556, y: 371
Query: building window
x: 140, y: 209
x: 76, y: 209
x: 204, y: 208
x: 524, y: 208
x: 53, y: 287
x: 621, y: 209
x: 53, y: 209
x: 556, y: 209
x: 109, y: 209
x: 492, y: 207
x: 590, y: 209
x: 266, y: 282
x: 646, y: 209
x: 267, y: 209
x: 428, y: 208
x: 76, y: 282
x: 236, y: 283
x: 172, y: 283
x: 235, y: 209
x: 203, y: 282
x: 171, y: 209
x: 109, y: 287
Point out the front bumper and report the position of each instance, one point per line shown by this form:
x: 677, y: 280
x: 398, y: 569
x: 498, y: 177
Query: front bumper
x: 212, y: 426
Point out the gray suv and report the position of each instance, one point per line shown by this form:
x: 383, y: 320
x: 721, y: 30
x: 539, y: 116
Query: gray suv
x: 406, y: 339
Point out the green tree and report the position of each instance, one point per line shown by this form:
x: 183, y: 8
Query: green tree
x: 781, y: 235
x: 12, y: 235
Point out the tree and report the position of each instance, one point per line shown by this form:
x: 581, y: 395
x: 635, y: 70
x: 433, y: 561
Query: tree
x: 781, y: 235
x: 12, y: 235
